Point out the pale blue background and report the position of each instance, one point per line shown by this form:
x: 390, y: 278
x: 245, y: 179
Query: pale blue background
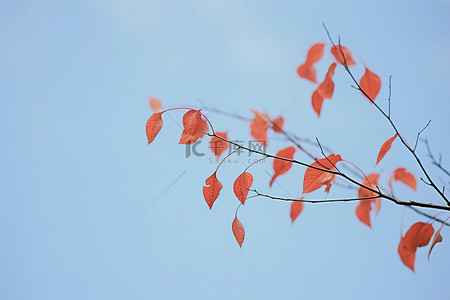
x: 77, y: 175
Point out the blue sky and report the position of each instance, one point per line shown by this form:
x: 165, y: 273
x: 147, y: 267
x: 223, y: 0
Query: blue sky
x: 77, y: 175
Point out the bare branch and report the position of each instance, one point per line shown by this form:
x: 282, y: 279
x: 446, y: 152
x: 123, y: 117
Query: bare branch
x: 435, y: 162
x: 418, y: 134
x: 346, y: 177
x: 424, y: 171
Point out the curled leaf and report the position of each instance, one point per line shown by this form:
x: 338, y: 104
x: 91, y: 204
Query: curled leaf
x: 242, y: 185
x: 296, y: 209
x: 153, y: 126
x: 436, y: 239
x: 370, y: 83
x: 418, y: 235
x: 238, y: 231
x: 281, y: 166
x: 212, y: 189
x: 400, y: 174
x: 385, y: 148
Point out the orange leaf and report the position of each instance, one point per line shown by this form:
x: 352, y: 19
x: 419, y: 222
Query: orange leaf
x: 407, y: 253
x: 281, y: 166
x: 314, y: 178
x: 217, y: 145
x: 365, y: 206
x: 153, y: 126
x: 212, y: 190
x: 277, y: 124
x: 155, y: 104
x: 400, y: 174
x: 190, y: 139
x: 317, y: 101
x: 436, y: 239
x: 192, y: 121
x: 372, y: 182
x: 326, y: 88
x: 296, y: 209
x: 307, y: 71
x: 363, y: 212
x: 259, y: 126
x: 238, y: 231
x: 385, y: 148
x: 370, y: 83
x: 315, y: 53
x: 337, y: 51
x: 418, y: 235
x: 241, y: 186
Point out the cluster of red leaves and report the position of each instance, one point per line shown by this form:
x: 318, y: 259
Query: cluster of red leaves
x: 321, y: 172
x: 370, y: 82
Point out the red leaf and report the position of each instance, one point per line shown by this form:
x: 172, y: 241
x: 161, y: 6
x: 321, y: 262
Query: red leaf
x: 372, y: 182
x: 217, y: 145
x: 407, y: 253
x: 238, y: 231
x: 212, y: 189
x: 337, y: 52
x: 314, y: 178
x: 190, y: 139
x: 307, y: 71
x: 385, y: 148
x: 363, y: 212
x: 400, y: 174
x: 192, y: 121
x: 418, y: 235
x: 281, y: 166
x: 153, y: 126
x: 155, y: 104
x: 317, y: 101
x: 241, y: 186
x: 259, y: 126
x: 436, y: 239
x: 296, y: 209
x: 370, y: 83
x: 315, y: 53
x: 326, y: 88
x: 277, y: 124
x: 365, y: 206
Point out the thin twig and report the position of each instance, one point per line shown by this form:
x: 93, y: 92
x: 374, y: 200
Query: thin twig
x: 418, y: 134
x: 376, y: 191
x: 433, y: 159
x: 419, y: 162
